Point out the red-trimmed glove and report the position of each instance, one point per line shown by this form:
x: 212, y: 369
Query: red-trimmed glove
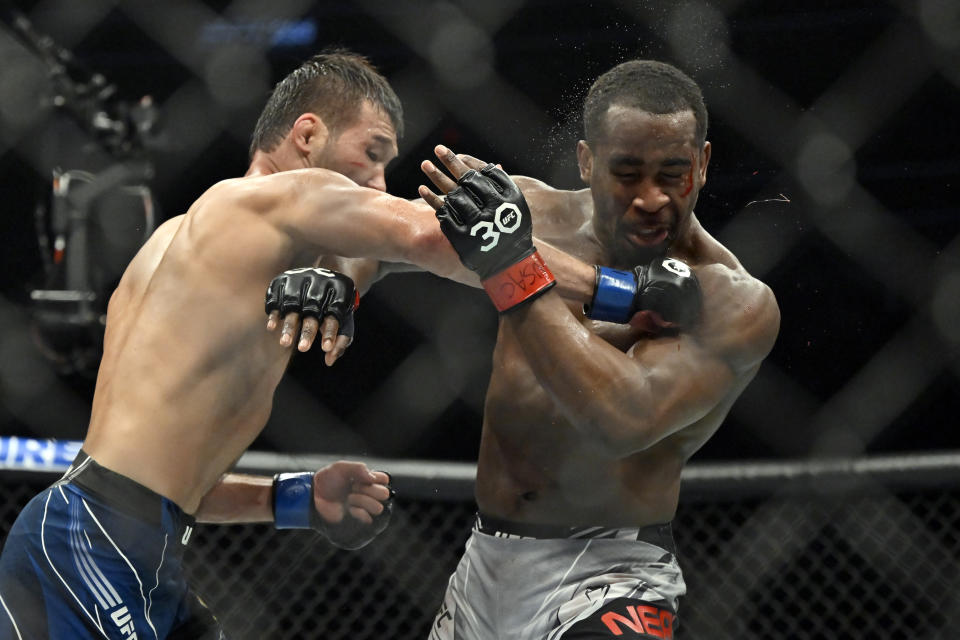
x: 487, y: 221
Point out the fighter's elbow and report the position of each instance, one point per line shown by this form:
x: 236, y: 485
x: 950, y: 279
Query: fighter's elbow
x: 618, y: 438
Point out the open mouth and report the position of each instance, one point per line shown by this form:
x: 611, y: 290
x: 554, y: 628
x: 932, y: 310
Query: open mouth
x: 646, y: 237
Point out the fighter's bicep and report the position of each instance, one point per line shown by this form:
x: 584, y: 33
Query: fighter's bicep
x: 317, y: 209
x: 685, y: 380
x: 355, y: 222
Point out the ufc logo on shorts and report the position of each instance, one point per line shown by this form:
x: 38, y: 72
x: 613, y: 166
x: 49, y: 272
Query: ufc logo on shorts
x: 507, y: 219
x: 442, y: 628
x: 121, y: 617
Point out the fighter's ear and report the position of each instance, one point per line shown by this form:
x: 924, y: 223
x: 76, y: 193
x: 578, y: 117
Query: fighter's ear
x: 585, y: 161
x: 309, y: 131
x: 705, y: 161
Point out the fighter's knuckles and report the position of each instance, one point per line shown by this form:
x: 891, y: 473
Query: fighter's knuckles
x: 291, y: 321
x: 467, y: 177
x: 330, y: 327
x: 471, y: 162
x: 309, y: 328
x: 445, y: 154
x: 368, y: 503
x: 361, y: 515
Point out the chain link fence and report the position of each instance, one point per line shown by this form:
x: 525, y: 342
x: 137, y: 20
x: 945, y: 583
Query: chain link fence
x: 833, y: 179
x: 838, y: 550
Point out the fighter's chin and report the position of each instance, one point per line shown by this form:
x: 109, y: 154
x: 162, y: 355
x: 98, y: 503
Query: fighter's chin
x: 636, y: 251
x: 633, y: 255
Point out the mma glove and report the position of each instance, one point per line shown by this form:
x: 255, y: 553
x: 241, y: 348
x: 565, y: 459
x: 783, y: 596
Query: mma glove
x: 316, y: 292
x: 665, y: 286
x: 293, y: 508
x: 487, y: 221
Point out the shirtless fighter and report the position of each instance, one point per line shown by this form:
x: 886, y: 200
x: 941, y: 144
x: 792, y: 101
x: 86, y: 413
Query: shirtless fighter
x: 188, y: 375
x: 588, y: 423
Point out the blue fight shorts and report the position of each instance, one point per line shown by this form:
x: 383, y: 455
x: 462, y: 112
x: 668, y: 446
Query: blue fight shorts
x: 97, y: 555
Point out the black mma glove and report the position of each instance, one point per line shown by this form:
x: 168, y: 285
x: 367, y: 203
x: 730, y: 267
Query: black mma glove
x: 666, y: 286
x: 293, y: 508
x: 316, y: 292
x: 487, y: 221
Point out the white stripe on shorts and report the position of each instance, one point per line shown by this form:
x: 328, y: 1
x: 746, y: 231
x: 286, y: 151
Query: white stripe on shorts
x: 146, y: 614
x: 102, y: 589
x: 43, y: 544
x: 10, y: 615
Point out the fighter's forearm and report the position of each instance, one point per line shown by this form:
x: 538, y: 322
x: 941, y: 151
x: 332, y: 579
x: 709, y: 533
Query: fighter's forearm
x: 600, y: 391
x: 363, y: 271
x: 237, y: 498
x: 575, y: 278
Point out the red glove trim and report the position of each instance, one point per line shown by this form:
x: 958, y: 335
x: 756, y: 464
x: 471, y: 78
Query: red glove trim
x: 519, y: 282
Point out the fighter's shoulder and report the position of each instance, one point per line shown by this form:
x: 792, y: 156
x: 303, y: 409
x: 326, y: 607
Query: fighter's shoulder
x: 540, y: 191
x: 549, y: 203
x: 265, y: 193
x: 530, y: 185
x: 741, y: 318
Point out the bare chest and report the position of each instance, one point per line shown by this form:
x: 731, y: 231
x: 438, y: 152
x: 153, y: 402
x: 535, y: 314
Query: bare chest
x: 518, y: 401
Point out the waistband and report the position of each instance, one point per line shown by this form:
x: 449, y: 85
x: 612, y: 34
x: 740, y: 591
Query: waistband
x: 125, y: 495
x: 660, y: 534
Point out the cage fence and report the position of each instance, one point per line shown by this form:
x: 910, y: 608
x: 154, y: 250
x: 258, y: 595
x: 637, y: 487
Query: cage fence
x: 862, y: 548
x: 840, y: 549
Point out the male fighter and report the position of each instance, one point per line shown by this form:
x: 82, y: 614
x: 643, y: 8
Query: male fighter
x: 591, y: 413
x: 188, y: 375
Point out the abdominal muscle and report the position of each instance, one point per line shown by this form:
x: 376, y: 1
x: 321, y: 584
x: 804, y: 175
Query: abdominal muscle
x: 535, y: 466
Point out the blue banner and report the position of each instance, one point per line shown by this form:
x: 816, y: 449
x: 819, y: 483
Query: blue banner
x: 31, y: 454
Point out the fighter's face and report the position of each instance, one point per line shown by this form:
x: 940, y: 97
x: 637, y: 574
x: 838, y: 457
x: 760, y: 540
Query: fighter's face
x: 644, y: 175
x: 362, y: 150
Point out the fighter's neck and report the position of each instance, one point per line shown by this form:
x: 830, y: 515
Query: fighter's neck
x: 689, y: 245
x: 264, y: 163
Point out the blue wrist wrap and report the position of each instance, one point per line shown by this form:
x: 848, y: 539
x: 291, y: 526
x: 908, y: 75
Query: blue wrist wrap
x: 292, y: 500
x: 614, y: 295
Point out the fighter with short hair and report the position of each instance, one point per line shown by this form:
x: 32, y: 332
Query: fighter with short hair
x: 588, y: 424
x: 593, y: 410
x: 188, y: 375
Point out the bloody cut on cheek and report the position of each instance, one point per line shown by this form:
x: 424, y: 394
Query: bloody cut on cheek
x: 689, y: 181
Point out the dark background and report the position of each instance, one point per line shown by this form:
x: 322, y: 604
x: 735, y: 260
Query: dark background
x: 833, y: 179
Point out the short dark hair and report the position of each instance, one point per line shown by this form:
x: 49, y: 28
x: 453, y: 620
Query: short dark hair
x: 648, y: 85
x: 333, y: 84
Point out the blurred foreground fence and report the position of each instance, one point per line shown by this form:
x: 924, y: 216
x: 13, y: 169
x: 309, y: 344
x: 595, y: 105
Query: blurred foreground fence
x: 838, y: 549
